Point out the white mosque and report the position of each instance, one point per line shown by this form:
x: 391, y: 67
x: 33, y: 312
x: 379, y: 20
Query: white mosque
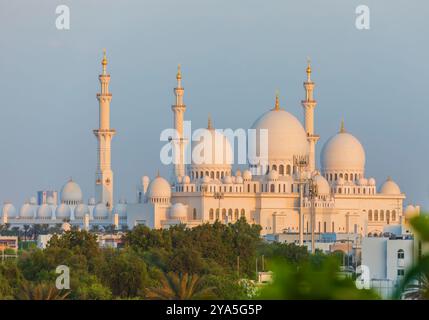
x: 280, y: 195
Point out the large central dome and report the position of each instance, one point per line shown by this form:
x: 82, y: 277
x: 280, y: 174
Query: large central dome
x: 286, y: 136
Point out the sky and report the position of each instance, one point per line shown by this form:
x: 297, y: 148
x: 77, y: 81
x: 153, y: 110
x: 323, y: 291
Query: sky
x: 234, y: 55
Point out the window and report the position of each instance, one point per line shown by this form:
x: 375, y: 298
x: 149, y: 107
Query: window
x: 243, y: 213
x: 272, y: 188
x: 401, y: 254
x: 274, y: 167
x: 376, y: 215
x: 281, y: 169
x: 324, y: 226
x: 381, y: 215
x: 236, y: 214
x: 211, y: 215
x: 393, y: 215
x: 217, y: 214
x: 370, y: 215
x: 288, y: 169
x: 194, y: 214
x: 401, y: 272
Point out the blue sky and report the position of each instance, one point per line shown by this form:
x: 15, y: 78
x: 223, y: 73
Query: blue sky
x: 234, y: 55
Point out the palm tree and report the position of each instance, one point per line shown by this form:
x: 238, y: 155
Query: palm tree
x: 40, y: 291
x: 418, y: 290
x: 26, y: 227
x: 180, y: 287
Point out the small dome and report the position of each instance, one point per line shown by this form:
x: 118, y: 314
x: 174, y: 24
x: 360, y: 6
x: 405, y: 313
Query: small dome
x: 371, y: 181
x: 71, y: 193
x: 322, y: 185
x: 100, y: 211
x: 179, y: 179
x: 80, y: 211
x: 247, y: 175
x: 50, y: 201
x: 9, y: 210
x: 227, y: 180
x: 343, y: 152
x: 273, y: 175
x: 363, y: 182
x: 206, y: 179
x: 121, y: 210
x: 44, y: 212
x: 63, y: 212
x: 27, y: 211
x: 91, y: 201
x: 159, y: 188
x: 186, y: 180
x: 390, y: 187
x: 33, y: 201
x: 178, y: 211
x: 238, y: 173
x: 239, y: 180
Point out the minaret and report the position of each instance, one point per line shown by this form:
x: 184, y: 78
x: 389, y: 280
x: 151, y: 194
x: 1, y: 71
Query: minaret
x: 309, y: 104
x: 179, y: 142
x: 104, y: 174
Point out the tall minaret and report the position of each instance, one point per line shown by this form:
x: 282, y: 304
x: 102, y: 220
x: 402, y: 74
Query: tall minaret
x: 309, y: 104
x: 104, y: 174
x: 179, y: 142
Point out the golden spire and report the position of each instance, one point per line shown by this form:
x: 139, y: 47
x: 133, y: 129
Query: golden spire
x: 104, y: 61
x: 342, y: 129
x: 209, y: 122
x: 179, y: 73
x: 308, y: 69
x: 277, y: 105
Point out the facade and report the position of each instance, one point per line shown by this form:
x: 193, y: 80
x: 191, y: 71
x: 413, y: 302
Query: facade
x: 387, y: 258
x: 277, y: 192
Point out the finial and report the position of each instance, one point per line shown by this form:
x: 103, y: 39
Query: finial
x: 104, y: 61
x: 157, y: 174
x: 209, y: 122
x: 179, y: 73
x: 277, y: 105
x: 342, y: 129
x: 308, y: 68
x: 389, y: 178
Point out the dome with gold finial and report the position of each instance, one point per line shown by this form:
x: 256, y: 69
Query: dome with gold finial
x: 286, y: 136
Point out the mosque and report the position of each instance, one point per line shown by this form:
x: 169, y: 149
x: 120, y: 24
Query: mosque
x: 283, y: 195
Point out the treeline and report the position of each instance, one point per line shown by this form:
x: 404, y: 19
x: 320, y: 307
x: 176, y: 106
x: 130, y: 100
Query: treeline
x: 210, y: 261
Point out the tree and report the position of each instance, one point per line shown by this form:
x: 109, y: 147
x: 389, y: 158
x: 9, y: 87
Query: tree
x: 180, y: 287
x: 124, y: 272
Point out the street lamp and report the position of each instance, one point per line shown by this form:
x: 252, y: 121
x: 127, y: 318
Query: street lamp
x: 312, y: 193
x: 301, y: 162
x: 219, y: 196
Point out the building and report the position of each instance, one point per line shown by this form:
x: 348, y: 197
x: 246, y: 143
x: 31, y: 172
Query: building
x: 276, y: 192
x: 387, y: 258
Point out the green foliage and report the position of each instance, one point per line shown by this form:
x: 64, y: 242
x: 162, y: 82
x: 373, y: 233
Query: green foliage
x: 180, y: 287
x: 124, y: 272
x: 312, y: 281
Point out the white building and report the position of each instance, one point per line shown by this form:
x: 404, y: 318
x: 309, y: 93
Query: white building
x: 387, y: 259
x: 267, y: 193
